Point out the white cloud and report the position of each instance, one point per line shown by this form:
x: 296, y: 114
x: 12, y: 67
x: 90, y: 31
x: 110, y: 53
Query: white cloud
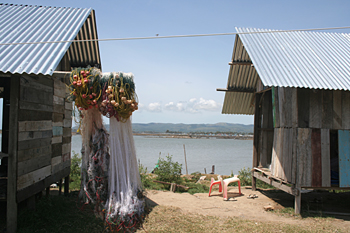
x: 174, y: 107
x: 154, y: 107
x: 194, y: 106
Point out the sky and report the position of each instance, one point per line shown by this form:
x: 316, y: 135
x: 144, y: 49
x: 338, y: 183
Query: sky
x: 176, y: 78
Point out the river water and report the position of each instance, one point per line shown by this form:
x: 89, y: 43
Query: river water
x: 228, y: 155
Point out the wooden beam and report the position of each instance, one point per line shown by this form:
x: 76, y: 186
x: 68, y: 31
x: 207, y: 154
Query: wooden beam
x: 257, y: 125
x: 276, y: 184
x: 11, y: 216
x: 247, y: 90
x: 242, y: 63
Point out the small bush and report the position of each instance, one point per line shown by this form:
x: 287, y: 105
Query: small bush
x: 74, y: 178
x: 168, y: 170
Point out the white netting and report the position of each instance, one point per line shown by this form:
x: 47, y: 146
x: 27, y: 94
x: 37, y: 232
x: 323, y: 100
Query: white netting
x: 125, y: 195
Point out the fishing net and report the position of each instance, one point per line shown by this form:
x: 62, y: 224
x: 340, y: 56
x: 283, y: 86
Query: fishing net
x: 110, y: 177
x: 126, y: 201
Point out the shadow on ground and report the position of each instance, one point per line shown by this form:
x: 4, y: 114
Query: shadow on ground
x: 315, y: 203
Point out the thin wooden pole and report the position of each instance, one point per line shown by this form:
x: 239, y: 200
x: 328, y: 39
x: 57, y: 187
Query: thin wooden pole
x: 185, y: 159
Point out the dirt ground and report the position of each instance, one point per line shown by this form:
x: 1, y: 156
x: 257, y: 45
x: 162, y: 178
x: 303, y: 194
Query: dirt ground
x: 253, y: 209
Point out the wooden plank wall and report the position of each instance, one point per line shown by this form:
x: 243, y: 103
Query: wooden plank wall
x: 303, y: 119
x: 44, y: 116
x: 34, y: 129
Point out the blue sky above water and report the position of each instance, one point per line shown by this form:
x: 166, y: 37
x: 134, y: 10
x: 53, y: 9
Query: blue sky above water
x: 176, y: 79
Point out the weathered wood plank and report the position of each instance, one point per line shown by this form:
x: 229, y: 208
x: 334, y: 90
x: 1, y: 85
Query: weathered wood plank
x: 316, y: 158
x: 58, y: 108
x: 66, y: 157
x: 33, y: 153
x: 33, y: 164
x: 33, y: 177
x: 37, y: 82
x: 32, y: 115
x: 276, y: 184
x: 288, y: 107
x: 66, y: 148
x: 23, y: 136
x: 34, y: 106
x: 287, y: 154
x: 67, y: 123
x: 57, y: 149
x: 57, y: 131
x: 275, y: 106
x: 303, y: 107
x: 60, y: 166
x: 327, y: 109
x: 66, y: 140
x: 346, y: 109
x: 326, y: 160
x: 36, y: 96
x: 58, y: 100
x: 56, y: 160
x: 59, y: 88
x: 57, y: 124
x: 57, y: 139
x: 304, y: 157
x: 294, y: 155
x: 41, y: 185
x: 294, y: 112
x: 274, y: 152
x: 35, y: 143
x: 281, y: 106
x: 315, y: 109
x: 67, y: 132
x: 57, y: 117
x: 68, y: 106
x: 344, y: 158
x: 34, y: 125
x: 337, y: 120
x: 280, y: 155
x: 68, y: 114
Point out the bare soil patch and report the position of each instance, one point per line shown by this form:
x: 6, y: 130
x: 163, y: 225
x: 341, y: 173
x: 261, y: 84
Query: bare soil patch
x: 239, y: 206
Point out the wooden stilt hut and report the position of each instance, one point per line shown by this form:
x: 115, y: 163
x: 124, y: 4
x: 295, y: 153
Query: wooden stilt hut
x: 36, y: 118
x: 297, y: 86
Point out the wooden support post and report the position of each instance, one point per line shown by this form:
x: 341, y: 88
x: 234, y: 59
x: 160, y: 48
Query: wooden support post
x: 173, y: 187
x: 213, y: 169
x: 205, y: 171
x: 297, y: 202
x: 257, y: 124
x: 11, y: 216
x: 60, y: 187
x: 66, y: 185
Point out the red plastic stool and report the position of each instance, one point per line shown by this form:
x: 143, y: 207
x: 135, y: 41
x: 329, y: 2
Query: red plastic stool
x: 214, y: 182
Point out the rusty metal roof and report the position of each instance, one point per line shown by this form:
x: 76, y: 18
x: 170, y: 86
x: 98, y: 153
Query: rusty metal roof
x: 315, y: 60
x: 23, y: 23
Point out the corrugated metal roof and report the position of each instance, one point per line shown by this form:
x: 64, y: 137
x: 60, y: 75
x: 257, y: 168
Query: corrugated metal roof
x: 315, y: 60
x: 22, y: 23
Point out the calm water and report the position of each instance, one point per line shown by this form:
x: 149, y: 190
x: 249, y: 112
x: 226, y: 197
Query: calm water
x: 226, y: 154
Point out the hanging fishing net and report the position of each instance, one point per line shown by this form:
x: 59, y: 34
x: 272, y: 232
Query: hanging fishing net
x: 110, y: 177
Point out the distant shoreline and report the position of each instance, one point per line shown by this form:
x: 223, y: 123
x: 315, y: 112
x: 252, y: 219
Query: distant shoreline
x: 190, y: 136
